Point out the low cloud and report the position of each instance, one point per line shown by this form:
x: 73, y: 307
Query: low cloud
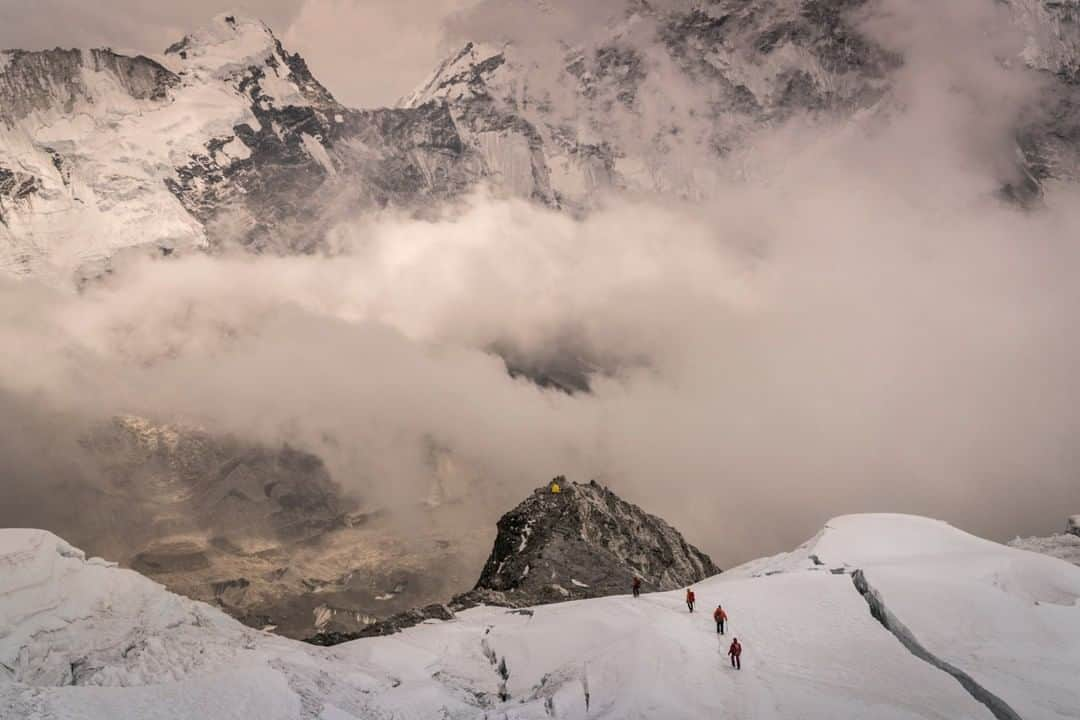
x: 865, y: 326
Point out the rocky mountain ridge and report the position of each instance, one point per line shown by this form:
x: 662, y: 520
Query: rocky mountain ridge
x: 228, y: 138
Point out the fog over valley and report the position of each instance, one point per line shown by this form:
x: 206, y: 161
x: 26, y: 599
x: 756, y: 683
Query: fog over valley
x: 868, y: 303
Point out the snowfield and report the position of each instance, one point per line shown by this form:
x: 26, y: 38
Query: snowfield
x: 975, y: 630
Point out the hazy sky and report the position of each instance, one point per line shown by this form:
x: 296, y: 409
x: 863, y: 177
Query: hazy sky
x: 368, y: 52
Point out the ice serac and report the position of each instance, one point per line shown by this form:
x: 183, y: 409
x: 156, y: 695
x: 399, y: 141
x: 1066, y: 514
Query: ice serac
x: 1065, y: 546
x: 67, y: 620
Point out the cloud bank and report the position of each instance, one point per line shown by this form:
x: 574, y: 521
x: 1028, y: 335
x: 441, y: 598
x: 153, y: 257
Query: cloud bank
x: 864, y: 327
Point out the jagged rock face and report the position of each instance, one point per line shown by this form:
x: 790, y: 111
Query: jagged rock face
x: 657, y: 102
x: 227, y: 137
x: 1072, y: 527
x: 302, y: 159
x: 50, y: 80
x: 584, y: 542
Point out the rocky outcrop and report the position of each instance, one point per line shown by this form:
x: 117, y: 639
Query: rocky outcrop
x: 581, y: 542
x: 1072, y: 526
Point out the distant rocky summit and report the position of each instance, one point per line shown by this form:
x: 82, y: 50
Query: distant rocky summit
x: 566, y: 541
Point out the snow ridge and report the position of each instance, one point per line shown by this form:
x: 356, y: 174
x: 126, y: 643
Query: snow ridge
x: 132, y: 650
x: 993, y: 703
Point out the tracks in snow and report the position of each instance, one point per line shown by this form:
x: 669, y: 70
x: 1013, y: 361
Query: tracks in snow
x: 998, y: 707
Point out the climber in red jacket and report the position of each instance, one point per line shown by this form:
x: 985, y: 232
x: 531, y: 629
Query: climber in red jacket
x: 735, y: 651
x: 690, y: 598
x: 720, y: 617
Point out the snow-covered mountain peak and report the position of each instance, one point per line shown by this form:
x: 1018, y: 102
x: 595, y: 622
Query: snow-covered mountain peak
x: 229, y: 138
x: 456, y: 76
x: 228, y: 43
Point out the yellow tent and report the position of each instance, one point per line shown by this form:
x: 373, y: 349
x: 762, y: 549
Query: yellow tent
x: 555, y: 489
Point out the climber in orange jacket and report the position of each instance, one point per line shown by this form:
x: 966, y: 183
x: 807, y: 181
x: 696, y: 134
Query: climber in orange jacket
x: 690, y: 598
x: 735, y: 651
x: 720, y: 617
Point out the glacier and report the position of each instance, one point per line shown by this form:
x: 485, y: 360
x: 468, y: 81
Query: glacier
x: 80, y: 638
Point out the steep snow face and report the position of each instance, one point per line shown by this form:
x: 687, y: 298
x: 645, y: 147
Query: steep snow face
x: 66, y: 620
x: 227, y: 137
x: 584, y: 541
x: 96, y: 135
x: 812, y: 649
x: 80, y: 177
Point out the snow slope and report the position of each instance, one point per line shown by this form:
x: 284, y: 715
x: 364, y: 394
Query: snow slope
x: 1007, y: 619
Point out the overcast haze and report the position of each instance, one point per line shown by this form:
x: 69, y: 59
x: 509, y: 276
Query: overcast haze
x: 867, y: 329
